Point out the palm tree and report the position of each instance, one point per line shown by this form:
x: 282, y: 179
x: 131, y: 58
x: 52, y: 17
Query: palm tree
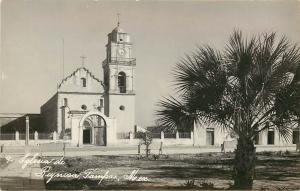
x: 249, y: 87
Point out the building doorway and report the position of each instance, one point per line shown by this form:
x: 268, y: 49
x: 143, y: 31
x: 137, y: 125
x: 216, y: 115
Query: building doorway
x: 210, y: 136
x: 256, y: 139
x: 100, y: 136
x: 87, y: 132
x: 94, y: 130
x: 295, y: 136
x: 271, y: 137
x: 86, y: 136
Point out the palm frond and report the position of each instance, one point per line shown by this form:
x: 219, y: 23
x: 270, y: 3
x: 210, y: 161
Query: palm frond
x: 173, y: 115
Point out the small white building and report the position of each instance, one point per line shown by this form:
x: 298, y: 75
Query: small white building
x: 205, y: 135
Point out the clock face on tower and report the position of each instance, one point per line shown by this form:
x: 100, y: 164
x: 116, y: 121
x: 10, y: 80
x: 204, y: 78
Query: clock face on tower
x: 121, y: 51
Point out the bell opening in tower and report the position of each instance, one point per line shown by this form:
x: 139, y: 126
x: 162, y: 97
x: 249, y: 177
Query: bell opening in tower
x: 122, y: 82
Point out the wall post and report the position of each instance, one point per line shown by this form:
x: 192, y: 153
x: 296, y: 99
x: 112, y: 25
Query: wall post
x: 162, y: 135
x: 17, y: 136
x: 54, y: 136
x: 27, y: 131
x: 36, y: 136
x: 192, y: 137
x: 177, y: 135
x: 130, y: 136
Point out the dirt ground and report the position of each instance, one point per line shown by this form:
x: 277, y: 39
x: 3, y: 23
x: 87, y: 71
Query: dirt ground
x: 274, y: 171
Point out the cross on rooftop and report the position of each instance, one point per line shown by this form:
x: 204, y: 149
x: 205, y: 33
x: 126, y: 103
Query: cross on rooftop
x: 82, y: 60
x: 118, y: 15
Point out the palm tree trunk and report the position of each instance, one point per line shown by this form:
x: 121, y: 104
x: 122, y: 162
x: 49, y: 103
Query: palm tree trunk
x: 244, y: 164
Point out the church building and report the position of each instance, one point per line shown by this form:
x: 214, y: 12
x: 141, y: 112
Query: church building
x: 90, y: 111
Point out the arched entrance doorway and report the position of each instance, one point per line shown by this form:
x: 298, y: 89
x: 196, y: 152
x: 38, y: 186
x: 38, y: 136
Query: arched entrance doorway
x: 94, y: 130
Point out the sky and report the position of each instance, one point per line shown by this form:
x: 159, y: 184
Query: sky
x: 162, y: 33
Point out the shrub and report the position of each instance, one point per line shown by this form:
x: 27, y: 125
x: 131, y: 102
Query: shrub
x: 3, y: 162
x: 207, y: 185
x: 287, y: 152
x: 279, y: 153
x: 190, y: 184
x: 156, y: 157
x: 267, y: 153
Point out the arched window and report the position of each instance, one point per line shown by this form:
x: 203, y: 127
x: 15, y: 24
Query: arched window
x: 83, y: 82
x: 122, y: 82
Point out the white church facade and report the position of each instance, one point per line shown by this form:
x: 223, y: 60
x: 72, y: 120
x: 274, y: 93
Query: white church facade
x: 90, y: 111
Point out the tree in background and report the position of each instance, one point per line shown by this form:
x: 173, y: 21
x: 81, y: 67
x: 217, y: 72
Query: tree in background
x: 249, y: 87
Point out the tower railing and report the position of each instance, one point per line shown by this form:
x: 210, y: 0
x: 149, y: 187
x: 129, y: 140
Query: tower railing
x: 124, y: 61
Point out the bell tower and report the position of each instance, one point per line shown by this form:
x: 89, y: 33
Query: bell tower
x: 119, y: 79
